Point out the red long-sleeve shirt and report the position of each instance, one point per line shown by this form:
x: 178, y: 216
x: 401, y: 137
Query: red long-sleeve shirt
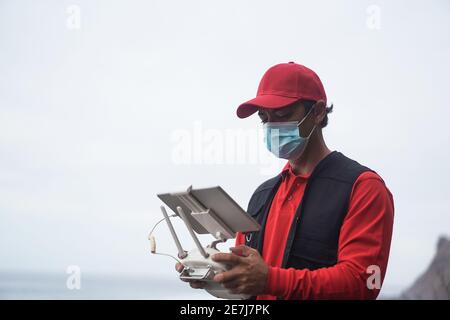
x: 364, y: 241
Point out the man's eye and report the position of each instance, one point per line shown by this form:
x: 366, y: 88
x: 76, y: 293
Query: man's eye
x: 283, y: 114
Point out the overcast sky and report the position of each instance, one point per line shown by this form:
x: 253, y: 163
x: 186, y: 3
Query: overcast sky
x: 104, y: 104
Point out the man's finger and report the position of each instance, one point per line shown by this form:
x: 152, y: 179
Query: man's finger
x: 227, y: 276
x: 179, y: 267
x: 242, y: 250
x: 194, y: 283
x: 237, y: 290
x: 227, y: 258
x: 197, y: 284
x: 232, y: 284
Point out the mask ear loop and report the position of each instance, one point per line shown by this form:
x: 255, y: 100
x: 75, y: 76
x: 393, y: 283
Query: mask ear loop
x: 301, y: 121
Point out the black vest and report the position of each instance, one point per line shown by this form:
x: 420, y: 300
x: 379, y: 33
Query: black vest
x: 313, y: 238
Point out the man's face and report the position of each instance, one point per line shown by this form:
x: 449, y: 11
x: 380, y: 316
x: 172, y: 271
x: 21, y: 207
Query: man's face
x: 293, y: 112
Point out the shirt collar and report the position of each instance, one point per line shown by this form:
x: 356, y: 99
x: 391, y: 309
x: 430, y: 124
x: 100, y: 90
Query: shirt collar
x: 287, y: 171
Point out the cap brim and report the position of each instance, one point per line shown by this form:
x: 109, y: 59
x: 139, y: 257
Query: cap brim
x: 268, y: 101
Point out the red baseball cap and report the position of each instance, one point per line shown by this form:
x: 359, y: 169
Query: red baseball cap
x: 282, y: 85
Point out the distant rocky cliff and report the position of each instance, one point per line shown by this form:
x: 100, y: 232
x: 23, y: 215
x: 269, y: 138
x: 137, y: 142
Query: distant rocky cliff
x: 435, y: 282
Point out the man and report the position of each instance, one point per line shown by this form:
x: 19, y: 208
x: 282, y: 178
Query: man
x: 326, y: 221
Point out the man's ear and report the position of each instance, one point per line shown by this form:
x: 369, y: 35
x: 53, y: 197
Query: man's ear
x: 320, y: 111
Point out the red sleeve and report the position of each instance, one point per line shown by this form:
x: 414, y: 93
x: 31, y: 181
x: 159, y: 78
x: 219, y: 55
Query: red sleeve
x: 364, y: 241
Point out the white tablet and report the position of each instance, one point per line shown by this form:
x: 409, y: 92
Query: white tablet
x: 211, y: 210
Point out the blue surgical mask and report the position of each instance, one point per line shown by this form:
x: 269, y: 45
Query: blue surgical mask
x: 283, y: 138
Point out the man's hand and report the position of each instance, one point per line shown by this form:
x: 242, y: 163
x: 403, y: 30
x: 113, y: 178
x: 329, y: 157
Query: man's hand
x: 193, y: 283
x: 248, y: 274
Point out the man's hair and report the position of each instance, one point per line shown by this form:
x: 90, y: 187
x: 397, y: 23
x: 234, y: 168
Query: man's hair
x: 309, y: 104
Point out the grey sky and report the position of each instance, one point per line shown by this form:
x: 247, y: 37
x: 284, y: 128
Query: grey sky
x: 87, y: 116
